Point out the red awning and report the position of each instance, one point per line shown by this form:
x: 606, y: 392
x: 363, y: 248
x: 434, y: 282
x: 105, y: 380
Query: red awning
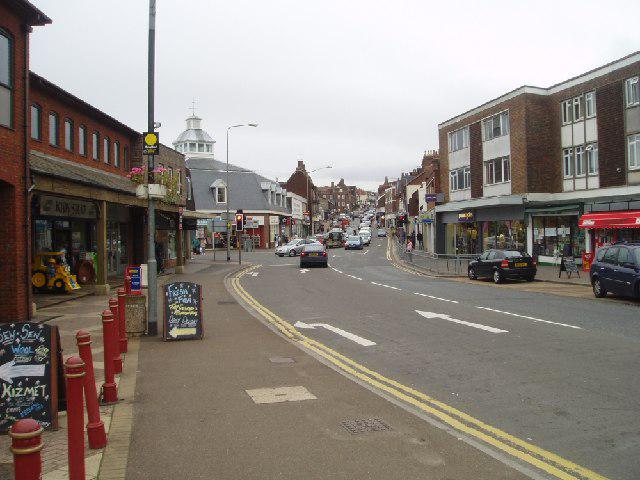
x: 624, y: 219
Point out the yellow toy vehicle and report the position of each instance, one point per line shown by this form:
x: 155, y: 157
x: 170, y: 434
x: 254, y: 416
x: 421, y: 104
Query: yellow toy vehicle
x: 51, y: 273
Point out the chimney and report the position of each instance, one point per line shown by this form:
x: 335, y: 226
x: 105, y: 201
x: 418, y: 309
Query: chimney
x: 332, y: 185
x: 300, y: 165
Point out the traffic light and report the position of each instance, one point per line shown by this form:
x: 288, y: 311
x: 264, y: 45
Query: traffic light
x: 239, y: 222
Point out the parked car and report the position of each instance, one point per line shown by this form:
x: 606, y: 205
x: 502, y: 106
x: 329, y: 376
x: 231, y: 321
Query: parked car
x: 365, y: 235
x: 314, y: 254
x: 354, y: 242
x: 382, y: 232
x: 293, y: 248
x: 616, y: 269
x: 503, y: 264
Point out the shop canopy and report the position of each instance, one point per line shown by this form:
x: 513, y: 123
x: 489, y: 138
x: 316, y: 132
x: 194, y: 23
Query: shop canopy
x: 624, y: 219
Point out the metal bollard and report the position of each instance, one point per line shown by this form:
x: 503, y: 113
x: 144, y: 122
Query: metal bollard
x: 109, y: 388
x: 26, y: 444
x: 117, y: 358
x: 74, y: 374
x: 95, y: 426
x: 124, y: 344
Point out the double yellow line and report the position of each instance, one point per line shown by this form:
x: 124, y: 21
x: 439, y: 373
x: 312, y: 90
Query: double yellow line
x: 396, y: 264
x: 544, y: 460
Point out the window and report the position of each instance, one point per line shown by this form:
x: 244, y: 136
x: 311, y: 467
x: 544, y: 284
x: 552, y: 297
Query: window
x: 179, y: 176
x: 590, y: 104
x: 577, y: 109
x: 53, y: 129
x: 188, y: 188
x: 209, y: 148
x: 633, y: 151
x: 624, y: 257
x: 566, y: 112
x: 632, y: 94
x: 82, y: 140
x: 459, y: 139
x: 201, y: 147
x: 105, y: 150
x: 116, y: 154
x: 68, y: 134
x: 460, y: 179
x: 567, y: 162
x: 36, y: 122
x: 579, y: 153
x: 192, y: 147
x: 592, y: 158
x: 221, y: 195
x: 95, y: 144
x: 611, y: 256
x: 497, y: 170
x: 170, y: 173
x: 496, y: 126
x: 6, y: 80
x: 125, y: 155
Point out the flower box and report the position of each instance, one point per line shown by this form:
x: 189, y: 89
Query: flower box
x: 142, y: 191
x: 157, y: 191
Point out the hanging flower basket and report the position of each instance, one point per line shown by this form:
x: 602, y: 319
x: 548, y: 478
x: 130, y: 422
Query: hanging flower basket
x: 142, y: 191
x: 157, y: 191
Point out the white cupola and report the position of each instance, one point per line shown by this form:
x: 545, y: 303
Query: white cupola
x: 194, y: 142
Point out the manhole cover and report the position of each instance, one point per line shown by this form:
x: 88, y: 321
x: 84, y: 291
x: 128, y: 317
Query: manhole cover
x: 365, y: 425
x: 226, y: 302
x: 280, y: 394
x: 281, y: 360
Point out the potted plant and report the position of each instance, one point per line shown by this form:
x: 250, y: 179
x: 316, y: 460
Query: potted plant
x: 158, y: 189
x: 138, y: 175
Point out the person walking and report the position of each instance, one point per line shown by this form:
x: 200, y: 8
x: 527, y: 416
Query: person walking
x: 419, y: 238
x: 410, y: 251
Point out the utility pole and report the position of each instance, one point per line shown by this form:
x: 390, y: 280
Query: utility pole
x: 151, y: 223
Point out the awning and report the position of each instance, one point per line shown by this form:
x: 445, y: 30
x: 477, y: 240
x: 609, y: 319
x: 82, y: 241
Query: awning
x: 622, y: 219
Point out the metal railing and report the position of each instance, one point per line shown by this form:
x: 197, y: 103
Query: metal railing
x: 436, y: 263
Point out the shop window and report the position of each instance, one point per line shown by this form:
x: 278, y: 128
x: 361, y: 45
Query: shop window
x: 496, y: 126
x: 592, y: 158
x: 36, y: 122
x: 68, y: 134
x: 633, y: 151
x: 6, y: 79
x: 554, y: 236
x: 82, y: 140
x: 504, y: 235
x: 590, y: 104
x: 632, y: 92
x: 116, y: 154
x: 497, y: 170
x: 95, y: 145
x: 53, y: 129
x: 106, y: 150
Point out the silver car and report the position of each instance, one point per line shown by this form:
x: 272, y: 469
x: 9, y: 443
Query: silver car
x: 293, y: 248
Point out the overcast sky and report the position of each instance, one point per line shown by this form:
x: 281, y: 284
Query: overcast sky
x: 359, y: 85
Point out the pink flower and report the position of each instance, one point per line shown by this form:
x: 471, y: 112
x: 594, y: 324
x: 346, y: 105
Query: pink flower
x: 128, y: 175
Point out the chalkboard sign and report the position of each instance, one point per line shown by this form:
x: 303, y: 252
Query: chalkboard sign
x: 568, y: 264
x: 183, y: 311
x: 28, y: 374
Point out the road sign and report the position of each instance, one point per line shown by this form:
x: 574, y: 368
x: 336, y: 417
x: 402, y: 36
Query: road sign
x: 150, y: 143
x: 135, y: 272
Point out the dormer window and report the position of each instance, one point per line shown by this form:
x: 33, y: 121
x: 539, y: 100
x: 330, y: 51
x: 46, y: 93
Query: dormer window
x: 219, y: 189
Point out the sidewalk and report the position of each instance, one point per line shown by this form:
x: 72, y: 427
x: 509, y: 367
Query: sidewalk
x: 206, y: 409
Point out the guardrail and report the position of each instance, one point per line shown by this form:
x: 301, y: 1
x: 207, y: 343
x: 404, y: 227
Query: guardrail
x: 437, y: 263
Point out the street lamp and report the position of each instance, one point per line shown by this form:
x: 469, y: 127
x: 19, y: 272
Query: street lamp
x: 310, y: 207
x: 227, y: 221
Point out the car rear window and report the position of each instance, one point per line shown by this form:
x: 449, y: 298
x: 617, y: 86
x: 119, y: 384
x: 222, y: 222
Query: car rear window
x: 612, y: 255
x: 354, y: 239
x: 314, y: 247
x: 514, y: 254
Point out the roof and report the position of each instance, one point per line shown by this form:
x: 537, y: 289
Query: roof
x: 194, y: 135
x: 75, y: 172
x: 29, y: 12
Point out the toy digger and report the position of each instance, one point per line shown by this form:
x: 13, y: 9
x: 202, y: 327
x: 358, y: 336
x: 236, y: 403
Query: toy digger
x: 51, y: 273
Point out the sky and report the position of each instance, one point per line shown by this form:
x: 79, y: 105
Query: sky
x: 358, y: 85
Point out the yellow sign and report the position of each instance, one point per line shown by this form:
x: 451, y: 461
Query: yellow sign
x: 151, y: 143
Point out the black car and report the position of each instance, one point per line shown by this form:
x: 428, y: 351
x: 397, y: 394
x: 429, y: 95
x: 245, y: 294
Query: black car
x: 503, y: 264
x: 314, y: 254
x: 616, y: 269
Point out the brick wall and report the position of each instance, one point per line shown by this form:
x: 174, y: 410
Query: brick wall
x: 475, y: 159
x: 543, y: 153
x: 611, y: 138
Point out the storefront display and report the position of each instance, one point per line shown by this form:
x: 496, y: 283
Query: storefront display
x: 504, y: 235
x: 558, y: 235
x: 605, y: 228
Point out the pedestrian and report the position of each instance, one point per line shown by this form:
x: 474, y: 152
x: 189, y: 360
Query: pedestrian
x: 202, y: 245
x: 419, y: 237
x: 410, y: 250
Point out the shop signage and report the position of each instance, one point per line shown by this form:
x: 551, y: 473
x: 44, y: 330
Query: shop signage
x: 274, y: 220
x: 467, y: 216
x: 431, y: 197
x: 151, y: 143
x: 183, y: 311
x: 587, y: 259
x: 29, y: 370
x: 66, y: 207
x: 135, y: 273
x: 568, y: 265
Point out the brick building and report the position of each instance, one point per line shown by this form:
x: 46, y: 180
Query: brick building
x: 17, y: 17
x: 522, y: 171
x: 301, y: 184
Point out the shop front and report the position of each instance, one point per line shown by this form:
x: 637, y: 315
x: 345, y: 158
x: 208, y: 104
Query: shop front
x: 606, y: 228
x: 166, y: 238
x: 552, y: 232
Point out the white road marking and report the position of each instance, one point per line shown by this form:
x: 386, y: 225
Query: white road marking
x: 366, y: 251
x: 446, y: 317
x: 385, y: 286
x: 254, y: 274
x: 353, y: 276
x: 339, y: 271
x: 281, y: 265
x: 436, y: 298
x: 304, y: 270
x: 354, y: 338
x: 530, y: 318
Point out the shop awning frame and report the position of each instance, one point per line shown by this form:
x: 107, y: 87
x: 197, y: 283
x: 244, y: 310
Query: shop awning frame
x: 621, y: 219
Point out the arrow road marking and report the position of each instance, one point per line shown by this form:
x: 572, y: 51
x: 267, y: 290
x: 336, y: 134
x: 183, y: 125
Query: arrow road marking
x: 354, y: 338
x: 446, y: 317
x: 175, y: 331
x: 254, y: 274
x: 530, y: 318
x: 436, y: 298
x: 10, y: 370
x: 304, y: 270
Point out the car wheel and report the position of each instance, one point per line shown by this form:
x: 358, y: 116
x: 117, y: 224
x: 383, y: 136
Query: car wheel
x: 530, y: 278
x: 472, y: 274
x: 292, y: 253
x: 497, y: 276
x: 598, y: 289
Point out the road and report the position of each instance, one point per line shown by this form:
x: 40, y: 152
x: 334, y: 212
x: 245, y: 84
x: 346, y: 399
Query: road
x: 558, y: 372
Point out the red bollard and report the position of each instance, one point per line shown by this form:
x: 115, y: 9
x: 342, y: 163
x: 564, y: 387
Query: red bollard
x: 26, y: 444
x: 127, y: 284
x: 95, y: 426
x: 124, y: 344
x: 117, y: 358
x: 109, y: 388
x: 75, y: 375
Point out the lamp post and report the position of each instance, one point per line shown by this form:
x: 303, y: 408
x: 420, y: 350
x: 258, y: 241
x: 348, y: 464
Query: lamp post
x: 227, y: 220
x: 310, y: 207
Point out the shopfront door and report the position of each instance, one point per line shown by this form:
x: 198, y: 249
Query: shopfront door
x: 116, y: 249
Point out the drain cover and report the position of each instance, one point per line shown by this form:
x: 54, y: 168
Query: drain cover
x: 365, y: 425
x: 281, y: 360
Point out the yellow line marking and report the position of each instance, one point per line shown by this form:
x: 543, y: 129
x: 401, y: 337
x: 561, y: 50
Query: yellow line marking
x: 543, y: 459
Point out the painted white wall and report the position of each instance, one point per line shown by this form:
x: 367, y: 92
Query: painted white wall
x: 498, y: 147
x: 460, y: 195
x: 567, y: 185
x: 591, y: 130
x: 593, y: 181
x: 566, y: 136
x: 459, y: 158
x: 581, y: 183
x: 496, y: 190
x: 578, y: 133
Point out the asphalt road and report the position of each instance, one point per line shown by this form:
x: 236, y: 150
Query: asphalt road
x: 559, y: 372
